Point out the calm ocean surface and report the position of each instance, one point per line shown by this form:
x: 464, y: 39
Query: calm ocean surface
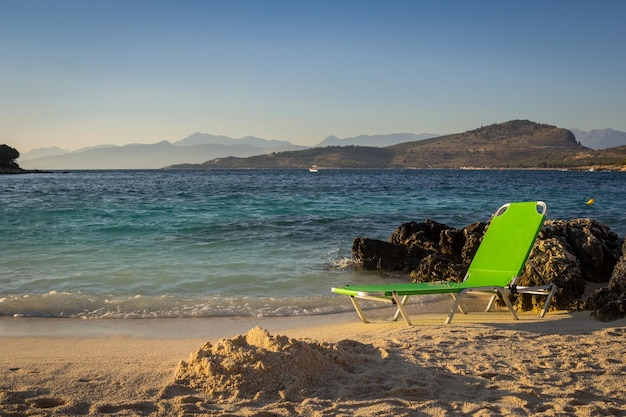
x: 134, y: 244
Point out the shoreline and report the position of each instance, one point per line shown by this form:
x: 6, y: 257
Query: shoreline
x: 481, y: 364
x: 20, y: 171
x: 212, y: 328
x: 433, y: 311
x: 215, y: 328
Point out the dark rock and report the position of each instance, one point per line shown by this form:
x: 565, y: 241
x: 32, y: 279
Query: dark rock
x: 420, y: 239
x: 593, y: 243
x: 434, y: 267
x: 457, y: 248
x: 18, y: 170
x: 374, y: 254
x: 552, y: 261
x: 427, y: 250
x: 473, y: 235
x: 609, y: 303
x: 618, y: 278
x: 569, y: 253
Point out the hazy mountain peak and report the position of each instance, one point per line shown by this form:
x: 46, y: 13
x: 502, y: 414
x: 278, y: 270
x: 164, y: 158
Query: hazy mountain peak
x: 600, y: 138
x: 199, y: 138
x: 43, y: 152
x: 375, y: 140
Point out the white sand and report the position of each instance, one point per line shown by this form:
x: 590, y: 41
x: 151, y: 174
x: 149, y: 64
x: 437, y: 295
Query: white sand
x: 482, y: 364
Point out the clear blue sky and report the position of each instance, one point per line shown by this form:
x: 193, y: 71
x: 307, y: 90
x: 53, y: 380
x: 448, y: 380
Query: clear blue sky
x: 79, y: 73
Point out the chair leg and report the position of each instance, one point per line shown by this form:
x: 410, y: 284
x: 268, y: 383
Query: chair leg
x: 458, y: 304
x: 505, y: 297
x: 546, y: 306
x: 400, y: 305
x: 455, y: 305
x: 357, y: 307
x: 398, y: 312
x: 490, y: 304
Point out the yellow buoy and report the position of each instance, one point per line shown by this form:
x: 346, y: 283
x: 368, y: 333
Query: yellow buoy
x: 590, y: 201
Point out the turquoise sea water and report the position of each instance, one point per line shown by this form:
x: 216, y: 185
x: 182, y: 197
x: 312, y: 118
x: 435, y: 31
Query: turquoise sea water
x: 161, y: 243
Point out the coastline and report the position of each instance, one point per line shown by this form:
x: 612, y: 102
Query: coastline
x: 17, y: 170
x: 481, y: 364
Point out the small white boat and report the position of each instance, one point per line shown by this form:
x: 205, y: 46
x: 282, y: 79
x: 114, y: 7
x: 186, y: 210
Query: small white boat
x: 313, y: 168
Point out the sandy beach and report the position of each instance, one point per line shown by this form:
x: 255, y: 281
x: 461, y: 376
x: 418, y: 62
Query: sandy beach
x: 483, y: 364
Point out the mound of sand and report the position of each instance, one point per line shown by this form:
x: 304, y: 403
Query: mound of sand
x: 259, y: 366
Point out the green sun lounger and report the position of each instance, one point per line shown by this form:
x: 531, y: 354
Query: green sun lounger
x: 494, y: 270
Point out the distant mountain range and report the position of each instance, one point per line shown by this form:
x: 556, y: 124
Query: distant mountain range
x: 196, y: 148
x: 199, y: 148
x: 513, y: 144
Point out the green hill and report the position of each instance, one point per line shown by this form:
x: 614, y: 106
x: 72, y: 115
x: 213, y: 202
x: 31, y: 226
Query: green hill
x: 518, y: 143
x: 513, y: 144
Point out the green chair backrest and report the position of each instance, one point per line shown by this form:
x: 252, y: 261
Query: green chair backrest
x: 509, y: 238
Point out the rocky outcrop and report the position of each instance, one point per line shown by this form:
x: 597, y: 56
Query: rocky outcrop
x: 378, y: 254
x: 427, y: 250
x: 11, y: 170
x: 18, y: 170
x: 609, y: 303
x: 567, y: 253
